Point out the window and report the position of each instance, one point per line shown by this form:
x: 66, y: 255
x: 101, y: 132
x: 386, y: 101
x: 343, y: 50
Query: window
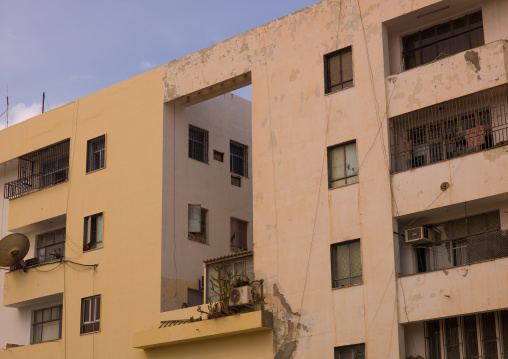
x: 350, y: 352
x: 462, y: 241
x: 92, y: 237
x: 218, y: 156
x: 342, y: 165
x: 197, y: 223
x: 238, y: 237
x: 346, y: 264
x: 467, y: 336
x: 236, y: 181
x: 443, y: 40
x: 91, y: 314
x: 238, y: 158
x: 96, y: 153
x: 46, y: 324
x: 50, y: 245
x: 339, y: 70
x: 198, y: 144
x: 194, y: 297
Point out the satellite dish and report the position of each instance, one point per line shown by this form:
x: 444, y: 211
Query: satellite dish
x: 13, y: 248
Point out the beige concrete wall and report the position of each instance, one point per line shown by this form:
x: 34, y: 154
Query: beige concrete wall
x: 188, y: 181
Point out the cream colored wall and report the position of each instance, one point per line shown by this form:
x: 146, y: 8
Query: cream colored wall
x: 227, y: 117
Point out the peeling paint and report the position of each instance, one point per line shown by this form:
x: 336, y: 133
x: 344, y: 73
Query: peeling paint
x: 473, y: 60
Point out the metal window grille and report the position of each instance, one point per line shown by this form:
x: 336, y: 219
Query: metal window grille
x: 339, y: 70
x: 443, y: 40
x: 342, y: 165
x: 450, y: 129
x: 46, y: 324
x: 40, y: 169
x: 90, y: 314
x: 96, y: 153
x: 346, y: 264
x: 51, y: 245
x: 198, y: 144
x: 238, y: 156
x: 350, y: 352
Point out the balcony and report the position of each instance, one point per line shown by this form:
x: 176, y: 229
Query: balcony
x: 40, y: 169
x: 455, y: 76
x: 38, y: 284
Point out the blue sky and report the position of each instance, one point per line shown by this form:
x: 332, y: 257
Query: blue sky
x: 70, y: 49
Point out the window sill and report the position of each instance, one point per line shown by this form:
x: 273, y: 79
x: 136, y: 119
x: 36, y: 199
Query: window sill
x: 93, y: 249
x: 97, y: 170
x: 348, y: 286
x: 346, y: 185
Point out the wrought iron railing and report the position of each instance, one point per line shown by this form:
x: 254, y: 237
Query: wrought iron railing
x: 450, y: 129
x: 40, y: 169
x: 469, y: 250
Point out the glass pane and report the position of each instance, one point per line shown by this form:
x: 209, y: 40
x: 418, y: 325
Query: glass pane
x: 99, y: 228
x: 411, y: 42
x: 37, y: 333
x: 342, y: 260
x: 412, y: 59
x: 441, y: 232
x: 347, y: 66
x: 356, y: 280
x: 351, y: 167
x: 459, y: 25
x: 476, y: 224
x: 353, y: 179
x: 430, y: 54
x: 41, y: 255
x: 493, y: 221
x: 47, y: 315
x: 460, y: 253
x: 355, y: 258
x: 342, y: 283
x: 443, y: 255
x: 55, y: 313
x: 444, y: 31
x: 97, y: 307
x: 459, y: 228
x: 38, y: 316
x: 334, y: 70
x: 51, y: 331
x: 475, y: 19
x: 428, y: 36
x: 336, y: 163
x: 338, y: 183
x: 86, y: 311
x: 477, y: 37
x: 470, y: 336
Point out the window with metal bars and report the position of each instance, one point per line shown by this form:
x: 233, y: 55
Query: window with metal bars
x: 40, y: 169
x: 346, y: 264
x: 443, y: 40
x: 46, y: 324
x: 350, y: 352
x: 50, y: 245
x: 238, y: 160
x: 90, y: 314
x: 339, y: 70
x: 462, y: 126
x: 342, y: 165
x: 96, y: 153
x: 468, y: 337
x: 462, y: 241
x: 198, y: 144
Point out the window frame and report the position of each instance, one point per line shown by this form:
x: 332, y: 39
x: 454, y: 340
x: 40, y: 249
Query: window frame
x: 194, y: 143
x: 331, y: 180
x: 34, y: 323
x: 94, y: 316
x: 91, y: 153
x: 197, y: 236
x: 332, y: 88
x: 333, y: 261
x: 38, y: 247
x: 336, y: 353
x: 87, y: 223
x: 243, y: 160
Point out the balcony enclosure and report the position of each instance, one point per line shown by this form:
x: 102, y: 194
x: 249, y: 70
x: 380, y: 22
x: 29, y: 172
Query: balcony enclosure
x: 449, y: 129
x: 40, y: 169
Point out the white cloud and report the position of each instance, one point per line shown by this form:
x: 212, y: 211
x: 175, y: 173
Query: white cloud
x: 21, y: 112
x: 146, y: 65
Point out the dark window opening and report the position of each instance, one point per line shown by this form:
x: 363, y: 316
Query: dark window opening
x: 238, y: 235
x: 236, y: 181
x: 218, y: 156
x: 350, y: 352
x: 346, y: 264
x: 198, y: 144
x: 339, y: 70
x: 197, y: 224
x: 342, y: 165
x: 238, y: 158
x: 92, y: 237
x: 96, y: 153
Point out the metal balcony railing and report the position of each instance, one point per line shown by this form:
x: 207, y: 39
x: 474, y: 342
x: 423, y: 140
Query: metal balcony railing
x: 450, y: 129
x: 40, y: 169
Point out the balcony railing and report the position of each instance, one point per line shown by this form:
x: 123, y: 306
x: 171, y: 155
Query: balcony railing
x: 40, y: 169
x: 450, y: 129
x: 452, y: 253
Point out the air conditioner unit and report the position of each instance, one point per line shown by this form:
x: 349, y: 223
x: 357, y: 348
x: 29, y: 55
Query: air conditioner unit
x: 419, y: 235
x: 241, y: 296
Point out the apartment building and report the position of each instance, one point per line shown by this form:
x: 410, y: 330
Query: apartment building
x: 380, y: 205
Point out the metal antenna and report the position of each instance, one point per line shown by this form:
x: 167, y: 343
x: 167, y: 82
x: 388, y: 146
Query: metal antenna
x: 7, y: 125
x: 43, y: 97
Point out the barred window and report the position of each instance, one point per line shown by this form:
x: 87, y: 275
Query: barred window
x: 46, y: 324
x: 51, y: 245
x: 350, y: 352
x: 342, y: 165
x: 198, y: 144
x: 339, y: 70
x: 443, y: 40
x: 90, y: 314
x: 346, y: 264
x: 238, y: 158
x: 96, y: 153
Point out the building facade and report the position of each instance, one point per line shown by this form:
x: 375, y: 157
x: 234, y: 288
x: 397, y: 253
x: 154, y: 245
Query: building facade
x: 379, y: 156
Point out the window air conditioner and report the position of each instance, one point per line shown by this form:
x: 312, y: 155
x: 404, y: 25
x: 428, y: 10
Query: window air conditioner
x: 241, y: 296
x: 419, y: 235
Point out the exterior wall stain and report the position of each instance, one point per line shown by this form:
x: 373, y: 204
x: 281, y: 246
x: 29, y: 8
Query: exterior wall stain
x: 473, y: 60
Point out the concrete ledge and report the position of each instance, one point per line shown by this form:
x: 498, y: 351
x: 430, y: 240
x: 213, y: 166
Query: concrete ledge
x: 204, y: 330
